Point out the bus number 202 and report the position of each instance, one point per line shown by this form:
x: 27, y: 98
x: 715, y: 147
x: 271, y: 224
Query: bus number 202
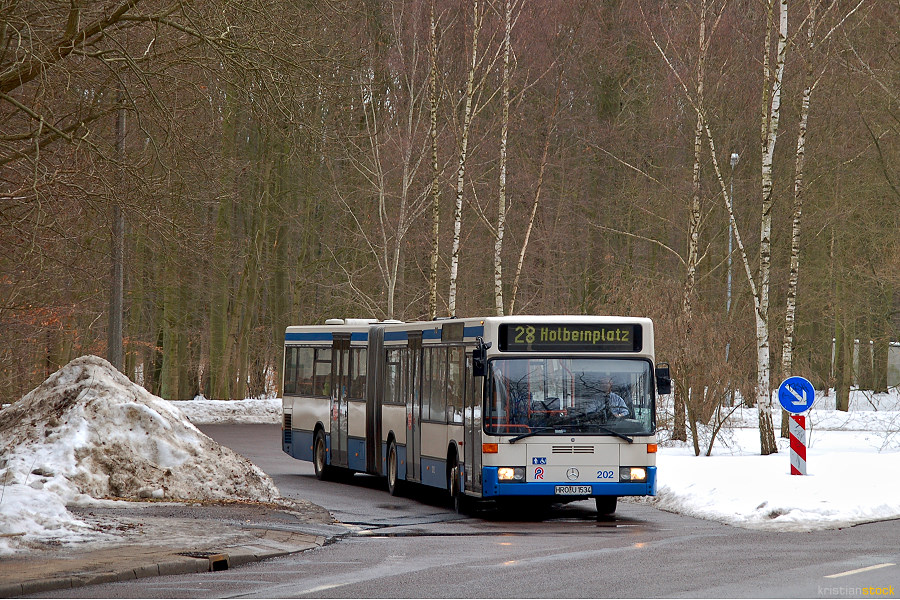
x: 604, y: 475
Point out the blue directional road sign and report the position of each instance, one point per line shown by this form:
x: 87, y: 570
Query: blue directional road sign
x: 796, y: 395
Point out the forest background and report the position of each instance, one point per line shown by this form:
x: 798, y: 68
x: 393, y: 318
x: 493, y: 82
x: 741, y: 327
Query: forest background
x: 180, y: 180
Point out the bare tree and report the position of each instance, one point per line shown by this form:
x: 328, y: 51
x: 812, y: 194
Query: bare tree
x: 477, y: 21
x: 551, y: 126
x: 504, y: 131
x: 433, y: 102
x: 809, y: 81
x: 473, y: 103
x: 390, y: 152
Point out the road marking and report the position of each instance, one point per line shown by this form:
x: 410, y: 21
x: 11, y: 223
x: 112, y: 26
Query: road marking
x: 863, y: 570
x: 322, y: 588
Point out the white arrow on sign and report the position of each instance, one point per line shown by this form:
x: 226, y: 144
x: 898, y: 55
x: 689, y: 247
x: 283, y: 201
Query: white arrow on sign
x: 799, y: 400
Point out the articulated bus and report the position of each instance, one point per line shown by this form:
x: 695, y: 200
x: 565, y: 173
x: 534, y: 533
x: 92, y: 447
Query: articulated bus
x: 545, y: 408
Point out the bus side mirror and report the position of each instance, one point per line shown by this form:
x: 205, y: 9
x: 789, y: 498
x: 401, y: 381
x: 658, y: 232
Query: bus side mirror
x: 663, y: 379
x: 479, y: 357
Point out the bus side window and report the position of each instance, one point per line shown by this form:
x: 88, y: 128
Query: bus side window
x: 322, y: 374
x: 427, y: 354
x: 392, y: 376
x: 305, y: 370
x: 455, y: 384
x: 415, y: 359
x: 404, y: 376
x: 358, y: 373
x: 290, y: 370
x: 439, y: 385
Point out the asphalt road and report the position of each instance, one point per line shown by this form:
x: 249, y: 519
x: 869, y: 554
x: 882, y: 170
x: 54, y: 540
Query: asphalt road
x: 418, y: 548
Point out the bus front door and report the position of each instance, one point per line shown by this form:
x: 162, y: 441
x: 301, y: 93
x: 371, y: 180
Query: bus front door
x: 472, y: 414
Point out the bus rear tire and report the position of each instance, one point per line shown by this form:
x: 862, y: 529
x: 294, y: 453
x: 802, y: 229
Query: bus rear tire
x: 393, y: 468
x: 606, y: 505
x: 320, y: 457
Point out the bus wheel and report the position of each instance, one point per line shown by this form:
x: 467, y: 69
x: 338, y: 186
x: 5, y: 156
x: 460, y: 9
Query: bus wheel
x: 606, y: 505
x: 393, y: 467
x: 320, y: 460
x: 457, y: 496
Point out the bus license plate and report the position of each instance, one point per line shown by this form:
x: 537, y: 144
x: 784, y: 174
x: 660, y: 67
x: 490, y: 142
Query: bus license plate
x: 573, y: 490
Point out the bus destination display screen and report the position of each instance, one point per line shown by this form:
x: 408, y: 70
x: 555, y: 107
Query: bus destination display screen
x: 556, y: 337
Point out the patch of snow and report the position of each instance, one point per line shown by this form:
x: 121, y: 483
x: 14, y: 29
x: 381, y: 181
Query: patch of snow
x: 851, y: 461
x: 201, y: 411
x: 88, y: 432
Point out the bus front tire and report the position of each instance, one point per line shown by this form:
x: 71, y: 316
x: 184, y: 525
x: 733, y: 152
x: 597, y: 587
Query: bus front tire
x: 458, y: 499
x: 606, y: 505
x: 393, y: 469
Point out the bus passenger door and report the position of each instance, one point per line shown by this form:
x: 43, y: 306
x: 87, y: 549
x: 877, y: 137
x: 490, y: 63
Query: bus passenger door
x: 374, y: 401
x: 340, y: 367
x: 414, y: 408
x: 472, y: 417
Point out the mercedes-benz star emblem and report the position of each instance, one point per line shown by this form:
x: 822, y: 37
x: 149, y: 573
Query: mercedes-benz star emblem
x: 572, y: 474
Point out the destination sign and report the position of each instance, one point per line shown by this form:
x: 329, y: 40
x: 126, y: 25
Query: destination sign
x: 588, y: 337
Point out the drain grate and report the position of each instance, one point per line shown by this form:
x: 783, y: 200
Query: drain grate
x: 217, y: 560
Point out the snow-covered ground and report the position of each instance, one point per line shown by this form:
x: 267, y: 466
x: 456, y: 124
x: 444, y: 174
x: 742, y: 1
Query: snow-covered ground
x: 88, y: 434
x: 852, y: 461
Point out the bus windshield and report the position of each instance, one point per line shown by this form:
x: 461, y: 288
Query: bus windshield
x: 599, y: 396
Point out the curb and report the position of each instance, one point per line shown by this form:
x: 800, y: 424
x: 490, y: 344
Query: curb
x: 270, y: 543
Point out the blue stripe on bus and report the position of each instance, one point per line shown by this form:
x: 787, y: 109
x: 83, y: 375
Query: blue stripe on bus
x: 491, y: 486
x: 356, y: 336
x: 475, y: 331
x: 323, y: 336
x: 389, y: 336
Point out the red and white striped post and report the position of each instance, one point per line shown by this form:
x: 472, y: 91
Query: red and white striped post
x: 797, y: 427
x: 796, y: 395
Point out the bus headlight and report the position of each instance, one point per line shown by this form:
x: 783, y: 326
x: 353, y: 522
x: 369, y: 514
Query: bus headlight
x: 511, y: 473
x: 636, y: 474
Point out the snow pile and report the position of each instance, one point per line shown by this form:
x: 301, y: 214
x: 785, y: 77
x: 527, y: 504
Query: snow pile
x: 201, y: 411
x: 89, y: 432
x: 852, y: 461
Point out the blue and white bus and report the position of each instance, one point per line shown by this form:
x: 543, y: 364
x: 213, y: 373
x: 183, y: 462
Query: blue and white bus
x: 557, y: 408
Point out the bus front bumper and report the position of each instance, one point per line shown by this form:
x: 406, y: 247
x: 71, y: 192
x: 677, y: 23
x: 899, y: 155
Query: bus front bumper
x: 492, y: 487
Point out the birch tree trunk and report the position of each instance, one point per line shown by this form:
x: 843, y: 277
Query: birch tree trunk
x: 769, y: 133
x: 435, y: 173
x: 463, y: 151
x: 501, y: 203
x: 693, y: 254
x: 794, y: 276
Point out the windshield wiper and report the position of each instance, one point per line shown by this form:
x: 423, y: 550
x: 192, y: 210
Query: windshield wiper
x: 562, y: 429
x: 537, y: 430
x: 600, y: 427
x: 615, y: 433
